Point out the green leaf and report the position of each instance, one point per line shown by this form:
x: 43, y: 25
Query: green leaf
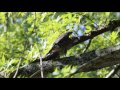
x: 107, y: 14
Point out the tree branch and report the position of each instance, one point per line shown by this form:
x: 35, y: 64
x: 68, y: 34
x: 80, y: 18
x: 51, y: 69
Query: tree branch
x: 113, y: 72
x: 89, y: 61
x: 110, y: 27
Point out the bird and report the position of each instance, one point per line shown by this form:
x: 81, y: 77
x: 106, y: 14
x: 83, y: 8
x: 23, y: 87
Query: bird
x: 59, y: 47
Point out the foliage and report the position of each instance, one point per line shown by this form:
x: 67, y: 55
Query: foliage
x: 27, y: 35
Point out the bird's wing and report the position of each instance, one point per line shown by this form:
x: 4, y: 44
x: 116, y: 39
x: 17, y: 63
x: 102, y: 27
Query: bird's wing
x: 62, y: 37
x: 59, y: 40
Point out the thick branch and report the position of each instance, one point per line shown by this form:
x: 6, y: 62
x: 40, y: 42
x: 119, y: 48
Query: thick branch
x: 110, y: 27
x: 89, y: 61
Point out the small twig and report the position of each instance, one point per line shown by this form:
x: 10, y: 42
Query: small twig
x: 87, y: 46
x: 41, y: 68
x: 34, y: 21
x: 110, y: 74
x: 113, y: 72
x: 17, y: 69
x: 39, y: 71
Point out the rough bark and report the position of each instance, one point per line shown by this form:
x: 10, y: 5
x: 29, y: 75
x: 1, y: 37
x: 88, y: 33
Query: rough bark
x: 89, y: 61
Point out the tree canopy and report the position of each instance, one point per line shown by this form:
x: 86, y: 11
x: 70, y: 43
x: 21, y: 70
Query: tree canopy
x: 28, y: 36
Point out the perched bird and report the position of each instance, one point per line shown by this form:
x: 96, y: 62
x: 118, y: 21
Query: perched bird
x: 60, y: 46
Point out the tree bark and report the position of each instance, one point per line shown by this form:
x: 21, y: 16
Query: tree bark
x: 89, y: 61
